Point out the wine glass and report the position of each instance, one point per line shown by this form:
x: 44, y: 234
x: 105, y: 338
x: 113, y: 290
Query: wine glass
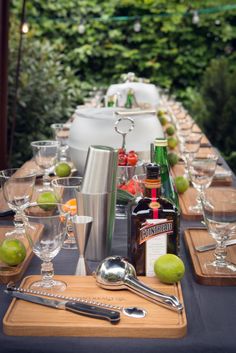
x: 220, y: 218
x: 17, y: 191
x: 45, y: 155
x: 189, y: 149
x: 45, y: 228
x: 201, y: 173
x: 65, y: 189
x: 61, y: 134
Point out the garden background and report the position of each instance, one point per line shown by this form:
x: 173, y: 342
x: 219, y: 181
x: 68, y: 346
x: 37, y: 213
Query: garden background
x: 74, y: 47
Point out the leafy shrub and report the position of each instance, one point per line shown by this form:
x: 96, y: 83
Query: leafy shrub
x: 48, y: 93
x: 217, y: 104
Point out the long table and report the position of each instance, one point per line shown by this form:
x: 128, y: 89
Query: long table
x: 211, y: 314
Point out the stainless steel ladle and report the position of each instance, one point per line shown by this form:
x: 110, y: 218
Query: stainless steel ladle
x: 116, y: 273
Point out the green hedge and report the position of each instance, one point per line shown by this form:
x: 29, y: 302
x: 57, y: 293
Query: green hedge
x: 170, y: 49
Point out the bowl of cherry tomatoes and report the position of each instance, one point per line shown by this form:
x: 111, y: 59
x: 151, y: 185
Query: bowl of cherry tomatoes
x: 128, y: 166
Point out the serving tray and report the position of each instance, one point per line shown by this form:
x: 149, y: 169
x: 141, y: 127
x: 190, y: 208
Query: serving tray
x: 28, y: 319
x: 188, y: 198
x: 196, y: 237
x: 15, y: 273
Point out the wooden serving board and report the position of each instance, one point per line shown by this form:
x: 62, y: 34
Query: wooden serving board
x: 178, y: 170
x: 15, y: 273
x: 188, y: 198
x: 28, y: 319
x: 196, y: 237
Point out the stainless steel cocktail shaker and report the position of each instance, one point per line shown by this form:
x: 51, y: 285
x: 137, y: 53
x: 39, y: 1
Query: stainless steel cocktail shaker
x: 97, y: 199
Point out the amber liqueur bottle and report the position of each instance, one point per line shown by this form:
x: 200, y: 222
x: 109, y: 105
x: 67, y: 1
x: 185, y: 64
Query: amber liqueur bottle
x: 153, y: 225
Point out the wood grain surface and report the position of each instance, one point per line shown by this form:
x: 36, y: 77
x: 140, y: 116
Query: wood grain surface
x: 15, y: 273
x: 28, y: 319
x: 188, y: 198
x: 203, y: 275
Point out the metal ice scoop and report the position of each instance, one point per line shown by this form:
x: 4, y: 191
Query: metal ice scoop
x: 116, y: 273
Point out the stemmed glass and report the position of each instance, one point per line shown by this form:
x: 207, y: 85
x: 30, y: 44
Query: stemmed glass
x: 61, y: 134
x: 17, y: 191
x: 220, y: 218
x: 65, y: 189
x: 45, y: 228
x: 45, y: 155
x: 201, y: 173
x: 189, y: 149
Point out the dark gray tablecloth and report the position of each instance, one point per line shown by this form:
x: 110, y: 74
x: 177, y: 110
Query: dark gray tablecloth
x: 211, y: 316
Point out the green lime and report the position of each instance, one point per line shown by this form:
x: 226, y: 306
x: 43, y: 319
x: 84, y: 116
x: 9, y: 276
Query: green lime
x: 169, y: 268
x: 173, y: 158
x: 172, y: 142
x: 47, y: 200
x: 12, y: 252
x: 163, y: 120
x: 170, y: 130
x: 63, y: 170
x: 181, y: 183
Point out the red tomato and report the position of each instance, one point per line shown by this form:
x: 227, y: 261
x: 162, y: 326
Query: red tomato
x: 131, y: 152
x: 121, y: 151
x: 132, y: 159
x: 122, y: 159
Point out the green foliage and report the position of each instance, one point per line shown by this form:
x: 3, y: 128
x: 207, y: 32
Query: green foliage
x: 216, y: 105
x: 48, y: 93
x: 169, y: 50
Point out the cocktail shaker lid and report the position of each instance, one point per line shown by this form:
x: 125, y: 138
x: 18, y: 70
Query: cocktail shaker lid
x: 100, y: 170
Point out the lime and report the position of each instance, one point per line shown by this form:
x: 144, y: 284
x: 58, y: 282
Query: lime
x: 170, y: 130
x: 173, y: 158
x: 63, y: 170
x: 172, y: 142
x: 163, y: 120
x: 169, y: 268
x: 47, y: 200
x: 12, y: 252
x: 181, y: 183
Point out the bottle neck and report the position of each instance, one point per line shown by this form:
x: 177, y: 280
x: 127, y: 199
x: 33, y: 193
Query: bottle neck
x: 152, y: 188
x: 160, y: 155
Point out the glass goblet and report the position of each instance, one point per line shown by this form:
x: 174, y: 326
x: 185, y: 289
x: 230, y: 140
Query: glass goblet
x: 189, y: 149
x: 45, y: 155
x: 45, y: 228
x: 65, y: 189
x: 61, y: 134
x: 201, y: 173
x: 17, y: 191
x: 220, y: 218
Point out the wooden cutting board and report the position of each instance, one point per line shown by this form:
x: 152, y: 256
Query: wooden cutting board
x: 28, y: 319
x: 197, y: 237
x: 188, y: 198
x: 15, y: 273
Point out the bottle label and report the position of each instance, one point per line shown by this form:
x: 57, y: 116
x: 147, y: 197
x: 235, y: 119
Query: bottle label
x: 154, y: 234
x: 155, y: 227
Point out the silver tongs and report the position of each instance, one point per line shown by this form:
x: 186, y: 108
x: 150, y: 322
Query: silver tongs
x: 116, y: 273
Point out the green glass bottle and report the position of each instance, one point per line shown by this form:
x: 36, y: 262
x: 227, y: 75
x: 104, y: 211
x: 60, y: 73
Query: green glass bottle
x: 130, y: 99
x: 160, y: 157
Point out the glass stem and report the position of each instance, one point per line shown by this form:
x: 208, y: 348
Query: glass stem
x: 46, y: 179
x: 47, y: 273
x: 18, y: 223
x: 220, y: 254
